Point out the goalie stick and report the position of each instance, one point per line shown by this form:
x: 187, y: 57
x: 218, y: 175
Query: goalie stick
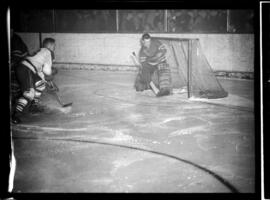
x: 136, y: 62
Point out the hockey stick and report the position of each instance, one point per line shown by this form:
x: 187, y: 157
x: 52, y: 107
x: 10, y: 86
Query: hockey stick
x: 54, y: 91
x: 136, y: 62
x: 61, y: 102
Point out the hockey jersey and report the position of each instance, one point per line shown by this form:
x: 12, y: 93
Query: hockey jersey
x: 41, y: 59
x: 151, y: 54
x: 18, y: 49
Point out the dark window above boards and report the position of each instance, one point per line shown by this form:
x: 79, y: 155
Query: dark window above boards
x: 133, y: 21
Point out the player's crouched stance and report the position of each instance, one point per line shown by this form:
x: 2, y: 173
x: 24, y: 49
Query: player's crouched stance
x: 152, y: 57
x: 31, y: 73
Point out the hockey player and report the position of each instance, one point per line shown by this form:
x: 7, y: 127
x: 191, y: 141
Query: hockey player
x: 31, y: 73
x: 18, y: 52
x: 18, y: 49
x: 152, y: 56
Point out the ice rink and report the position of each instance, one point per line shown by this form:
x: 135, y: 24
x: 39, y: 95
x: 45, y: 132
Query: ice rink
x: 114, y: 139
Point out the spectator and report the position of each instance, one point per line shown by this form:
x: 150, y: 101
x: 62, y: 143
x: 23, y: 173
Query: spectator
x: 200, y: 22
x: 127, y: 23
x: 138, y: 21
x: 158, y: 21
x: 183, y: 21
x: 150, y: 16
x: 172, y: 25
x: 147, y: 28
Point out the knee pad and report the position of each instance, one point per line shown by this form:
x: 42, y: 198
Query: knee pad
x: 37, y: 94
x: 40, y: 86
x: 29, y: 94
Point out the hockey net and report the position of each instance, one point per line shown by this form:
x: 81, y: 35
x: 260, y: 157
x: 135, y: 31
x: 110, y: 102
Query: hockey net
x: 190, y: 68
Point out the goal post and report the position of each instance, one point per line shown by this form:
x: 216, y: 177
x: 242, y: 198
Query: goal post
x: 190, y: 68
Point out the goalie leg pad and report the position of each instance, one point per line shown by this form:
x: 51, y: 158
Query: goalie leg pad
x: 154, y: 78
x: 164, y: 76
x: 139, y: 85
x: 146, y: 75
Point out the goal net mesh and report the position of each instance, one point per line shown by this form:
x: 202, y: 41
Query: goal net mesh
x: 190, y: 68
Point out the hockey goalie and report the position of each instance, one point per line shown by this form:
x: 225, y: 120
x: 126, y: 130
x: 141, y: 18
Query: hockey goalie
x: 154, y: 72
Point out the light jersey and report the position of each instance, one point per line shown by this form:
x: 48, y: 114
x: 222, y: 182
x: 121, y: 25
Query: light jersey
x: 39, y: 60
x: 155, y: 47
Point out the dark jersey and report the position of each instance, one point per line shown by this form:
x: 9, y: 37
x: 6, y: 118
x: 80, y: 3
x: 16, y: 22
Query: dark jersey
x: 153, y: 55
x: 18, y: 49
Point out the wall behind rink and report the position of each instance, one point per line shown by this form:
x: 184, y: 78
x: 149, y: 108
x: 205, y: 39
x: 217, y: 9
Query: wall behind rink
x: 225, y: 52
